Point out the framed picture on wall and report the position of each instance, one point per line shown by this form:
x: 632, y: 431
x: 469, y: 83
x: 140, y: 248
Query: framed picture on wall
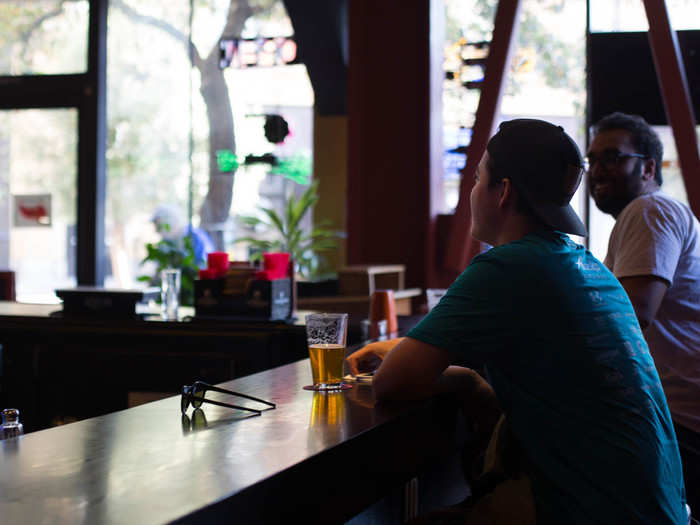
x: 32, y: 210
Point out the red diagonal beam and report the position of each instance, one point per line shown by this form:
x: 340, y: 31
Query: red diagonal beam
x: 460, y: 247
x: 674, y: 90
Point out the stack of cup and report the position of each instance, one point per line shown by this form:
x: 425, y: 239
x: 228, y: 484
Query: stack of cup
x: 382, y: 306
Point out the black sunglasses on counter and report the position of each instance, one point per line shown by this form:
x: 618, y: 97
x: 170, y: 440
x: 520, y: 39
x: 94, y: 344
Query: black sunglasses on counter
x: 194, y: 394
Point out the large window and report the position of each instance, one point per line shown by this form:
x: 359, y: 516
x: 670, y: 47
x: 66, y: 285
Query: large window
x: 39, y: 147
x: 38, y: 200
x: 629, y: 15
x: 180, y: 127
x: 172, y: 112
x: 618, y: 16
x: 545, y: 79
x: 149, y: 127
x: 43, y: 36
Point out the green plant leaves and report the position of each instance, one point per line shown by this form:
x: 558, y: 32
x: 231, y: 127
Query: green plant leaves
x: 169, y: 253
x: 296, y: 209
x: 303, y: 247
x: 275, y: 219
x: 250, y: 221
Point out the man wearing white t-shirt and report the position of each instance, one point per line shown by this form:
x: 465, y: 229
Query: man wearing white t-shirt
x: 654, y: 250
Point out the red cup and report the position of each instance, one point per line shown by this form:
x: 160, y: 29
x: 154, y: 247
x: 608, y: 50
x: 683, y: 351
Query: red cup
x: 276, y: 264
x: 383, y: 306
x: 217, y: 262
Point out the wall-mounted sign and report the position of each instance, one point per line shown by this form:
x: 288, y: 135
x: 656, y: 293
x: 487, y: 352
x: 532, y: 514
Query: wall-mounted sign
x: 265, y: 52
x: 32, y: 210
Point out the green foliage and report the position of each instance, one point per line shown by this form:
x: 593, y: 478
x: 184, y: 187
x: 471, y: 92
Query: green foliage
x: 557, y: 61
x: 304, y: 247
x: 169, y: 253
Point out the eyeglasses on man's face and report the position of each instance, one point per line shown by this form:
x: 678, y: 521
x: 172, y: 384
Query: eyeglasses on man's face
x: 609, y: 159
x: 194, y: 395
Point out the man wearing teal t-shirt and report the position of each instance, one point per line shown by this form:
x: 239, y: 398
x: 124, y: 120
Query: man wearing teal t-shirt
x: 560, y: 344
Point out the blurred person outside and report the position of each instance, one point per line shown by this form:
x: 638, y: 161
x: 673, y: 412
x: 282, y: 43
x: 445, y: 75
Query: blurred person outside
x: 654, y: 250
x: 170, y: 223
x: 585, y: 434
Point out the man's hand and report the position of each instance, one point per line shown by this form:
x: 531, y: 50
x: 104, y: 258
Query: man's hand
x: 368, y: 358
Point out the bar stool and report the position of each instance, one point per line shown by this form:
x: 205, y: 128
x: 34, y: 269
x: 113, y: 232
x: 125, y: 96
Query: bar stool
x: 7, y: 285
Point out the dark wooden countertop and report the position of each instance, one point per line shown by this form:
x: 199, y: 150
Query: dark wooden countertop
x: 315, y: 458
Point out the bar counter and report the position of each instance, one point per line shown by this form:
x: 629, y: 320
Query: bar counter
x: 316, y: 458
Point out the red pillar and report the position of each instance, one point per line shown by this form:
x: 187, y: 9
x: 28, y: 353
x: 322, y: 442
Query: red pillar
x: 674, y: 91
x: 392, y: 160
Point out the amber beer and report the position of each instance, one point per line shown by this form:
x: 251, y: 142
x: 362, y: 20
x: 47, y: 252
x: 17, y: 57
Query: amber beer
x: 327, y: 363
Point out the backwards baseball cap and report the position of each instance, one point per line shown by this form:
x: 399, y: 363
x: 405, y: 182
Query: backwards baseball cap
x: 544, y: 165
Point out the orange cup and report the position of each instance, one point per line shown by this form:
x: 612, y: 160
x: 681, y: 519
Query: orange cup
x: 382, y: 306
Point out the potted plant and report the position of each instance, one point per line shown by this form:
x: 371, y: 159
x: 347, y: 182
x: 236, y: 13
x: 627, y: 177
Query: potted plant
x: 288, y: 236
x: 174, y: 253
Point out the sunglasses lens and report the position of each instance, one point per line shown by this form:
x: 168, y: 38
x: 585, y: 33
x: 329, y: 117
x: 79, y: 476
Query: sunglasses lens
x: 184, y: 401
x: 197, y: 397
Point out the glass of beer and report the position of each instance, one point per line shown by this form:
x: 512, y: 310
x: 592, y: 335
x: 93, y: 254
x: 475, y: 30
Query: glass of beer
x: 326, y: 335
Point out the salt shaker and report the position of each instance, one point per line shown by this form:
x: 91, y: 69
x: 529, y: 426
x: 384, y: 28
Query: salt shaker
x: 11, y: 427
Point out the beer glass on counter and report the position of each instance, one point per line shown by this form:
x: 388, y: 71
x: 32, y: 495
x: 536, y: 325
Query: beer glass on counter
x: 326, y: 335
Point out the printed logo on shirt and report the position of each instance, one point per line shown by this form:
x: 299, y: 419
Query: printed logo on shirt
x: 582, y: 266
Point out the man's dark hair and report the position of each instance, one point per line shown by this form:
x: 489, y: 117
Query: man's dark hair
x: 544, y: 165
x: 497, y: 173
x: 644, y: 139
